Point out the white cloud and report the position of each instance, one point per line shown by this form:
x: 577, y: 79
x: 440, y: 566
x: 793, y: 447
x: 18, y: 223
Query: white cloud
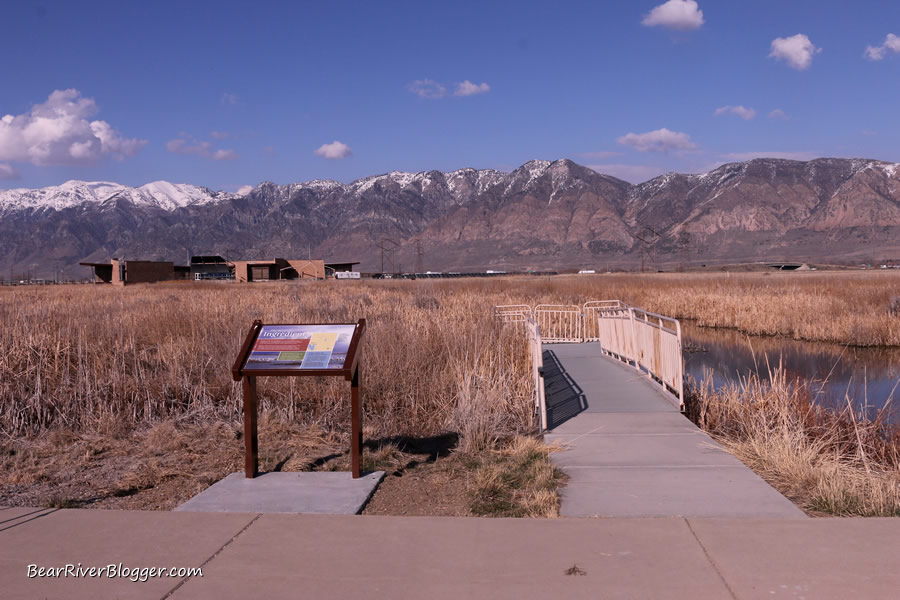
x: 741, y: 111
x: 660, y: 140
x: 229, y: 99
x: 630, y: 173
x: 467, y: 88
x: 742, y: 156
x: 218, y: 135
x: 334, y: 151
x: 245, y: 189
x: 224, y: 155
x: 779, y: 114
x: 58, y: 132
x: 682, y: 15
x: 426, y: 88
x: 189, y: 146
x: 891, y: 44
x: 185, y: 144
x: 8, y: 172
x: 797, y: 51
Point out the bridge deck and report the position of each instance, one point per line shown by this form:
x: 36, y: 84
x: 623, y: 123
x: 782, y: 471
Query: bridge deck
x: 629, y: 452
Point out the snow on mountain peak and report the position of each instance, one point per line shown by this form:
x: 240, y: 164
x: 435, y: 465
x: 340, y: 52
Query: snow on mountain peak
x: 170, y: 196
x: 161, y: 194
x: 536, y: 168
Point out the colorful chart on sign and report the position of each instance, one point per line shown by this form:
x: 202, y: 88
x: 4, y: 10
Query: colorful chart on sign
x: 301, y: 347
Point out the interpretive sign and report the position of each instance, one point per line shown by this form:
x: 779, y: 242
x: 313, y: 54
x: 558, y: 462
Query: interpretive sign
x: 301, y: 347
x: 317, y: 349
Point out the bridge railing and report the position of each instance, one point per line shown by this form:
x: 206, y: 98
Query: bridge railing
x: 658, y: 350
x: 609, y: 322
x: 649, y: 342
x: 533, y: 332
x: 513, y: 313
x: 559, y: 322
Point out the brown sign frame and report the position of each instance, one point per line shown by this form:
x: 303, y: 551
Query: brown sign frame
x: 350, y: 372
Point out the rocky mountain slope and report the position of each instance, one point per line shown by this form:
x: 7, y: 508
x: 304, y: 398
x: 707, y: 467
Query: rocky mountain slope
x: 542, y: 215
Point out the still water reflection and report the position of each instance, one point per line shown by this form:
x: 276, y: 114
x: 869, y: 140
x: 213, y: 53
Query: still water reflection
x: 867, y: 376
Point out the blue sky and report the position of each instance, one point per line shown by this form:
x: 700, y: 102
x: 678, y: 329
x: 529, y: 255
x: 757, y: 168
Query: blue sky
x: 227, y: 94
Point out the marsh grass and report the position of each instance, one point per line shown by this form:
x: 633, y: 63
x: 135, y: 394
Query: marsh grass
x: 844, y: 307
x: 517, y: 480
x: 111, y: 360
x: 114, y: 373
x: 827, y: 461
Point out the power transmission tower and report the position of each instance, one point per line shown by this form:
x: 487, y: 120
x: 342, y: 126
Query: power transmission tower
x: 420, y: 257
x: 648, y: 239
x: 387, y: 246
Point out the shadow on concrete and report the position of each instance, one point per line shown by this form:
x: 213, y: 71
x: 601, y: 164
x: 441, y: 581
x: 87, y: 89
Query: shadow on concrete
x: 25, y: 518
x: 565, y: 398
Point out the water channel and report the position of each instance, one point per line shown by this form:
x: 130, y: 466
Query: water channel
x: 867, y: 376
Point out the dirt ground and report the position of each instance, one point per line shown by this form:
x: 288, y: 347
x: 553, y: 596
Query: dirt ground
x: 167, y: 465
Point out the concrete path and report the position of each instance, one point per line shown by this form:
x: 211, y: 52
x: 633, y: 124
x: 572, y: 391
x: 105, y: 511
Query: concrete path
x: 629, y: 452
x: 316, y: 492
x: 335, y: 556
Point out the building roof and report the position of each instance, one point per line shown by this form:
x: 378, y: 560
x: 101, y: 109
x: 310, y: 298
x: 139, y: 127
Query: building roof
x: 256, y: 262
x: 207, y: 259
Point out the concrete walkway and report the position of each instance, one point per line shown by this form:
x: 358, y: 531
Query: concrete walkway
x: 341, y: 556
x: 316, y: 492
x: 629, y: 452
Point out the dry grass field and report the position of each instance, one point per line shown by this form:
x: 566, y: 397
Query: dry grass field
x: 110, y: 395
x: 122, y: 397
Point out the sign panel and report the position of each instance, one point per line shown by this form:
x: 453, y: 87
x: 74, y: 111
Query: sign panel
x: 300, y: 347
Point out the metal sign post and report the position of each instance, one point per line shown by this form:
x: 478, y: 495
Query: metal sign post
x: 312, y: 350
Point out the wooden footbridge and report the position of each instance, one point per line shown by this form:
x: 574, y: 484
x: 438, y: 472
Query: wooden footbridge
x: 609, y: 389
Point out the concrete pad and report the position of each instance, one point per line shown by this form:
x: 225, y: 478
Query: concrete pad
x: 591, y: 423
x: 17, y: 515
x: 639, y: 450
x: 823, y: 558
x: 633, y: 491
x: 97, y: 538
x: 318, y: 492
x: 427, y: 557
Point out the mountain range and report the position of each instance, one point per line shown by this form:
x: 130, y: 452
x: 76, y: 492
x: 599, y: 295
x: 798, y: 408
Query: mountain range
x: 543, y: 215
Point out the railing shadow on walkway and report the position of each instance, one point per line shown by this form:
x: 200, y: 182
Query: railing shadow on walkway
x: 565, y: 398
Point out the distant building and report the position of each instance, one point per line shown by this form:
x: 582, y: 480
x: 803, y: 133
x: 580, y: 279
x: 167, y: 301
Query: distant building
x: 210, y: 267
x: 277, y: 269
x: 122, y: 272
x: 340, y: 267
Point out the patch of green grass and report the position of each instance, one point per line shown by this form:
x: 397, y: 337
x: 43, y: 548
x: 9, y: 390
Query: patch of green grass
x: 62, y: 502
x: 517, y: 481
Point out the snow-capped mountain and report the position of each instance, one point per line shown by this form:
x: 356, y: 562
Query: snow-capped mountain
x: 543, y: 215
x: 159, y: 194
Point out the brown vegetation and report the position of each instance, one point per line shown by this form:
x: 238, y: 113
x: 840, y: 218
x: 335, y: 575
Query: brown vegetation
x: 826, y: 461
x: 845, y: 307
x: 96, y: 383
x: 122, y: 397
x: 107, y: 359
